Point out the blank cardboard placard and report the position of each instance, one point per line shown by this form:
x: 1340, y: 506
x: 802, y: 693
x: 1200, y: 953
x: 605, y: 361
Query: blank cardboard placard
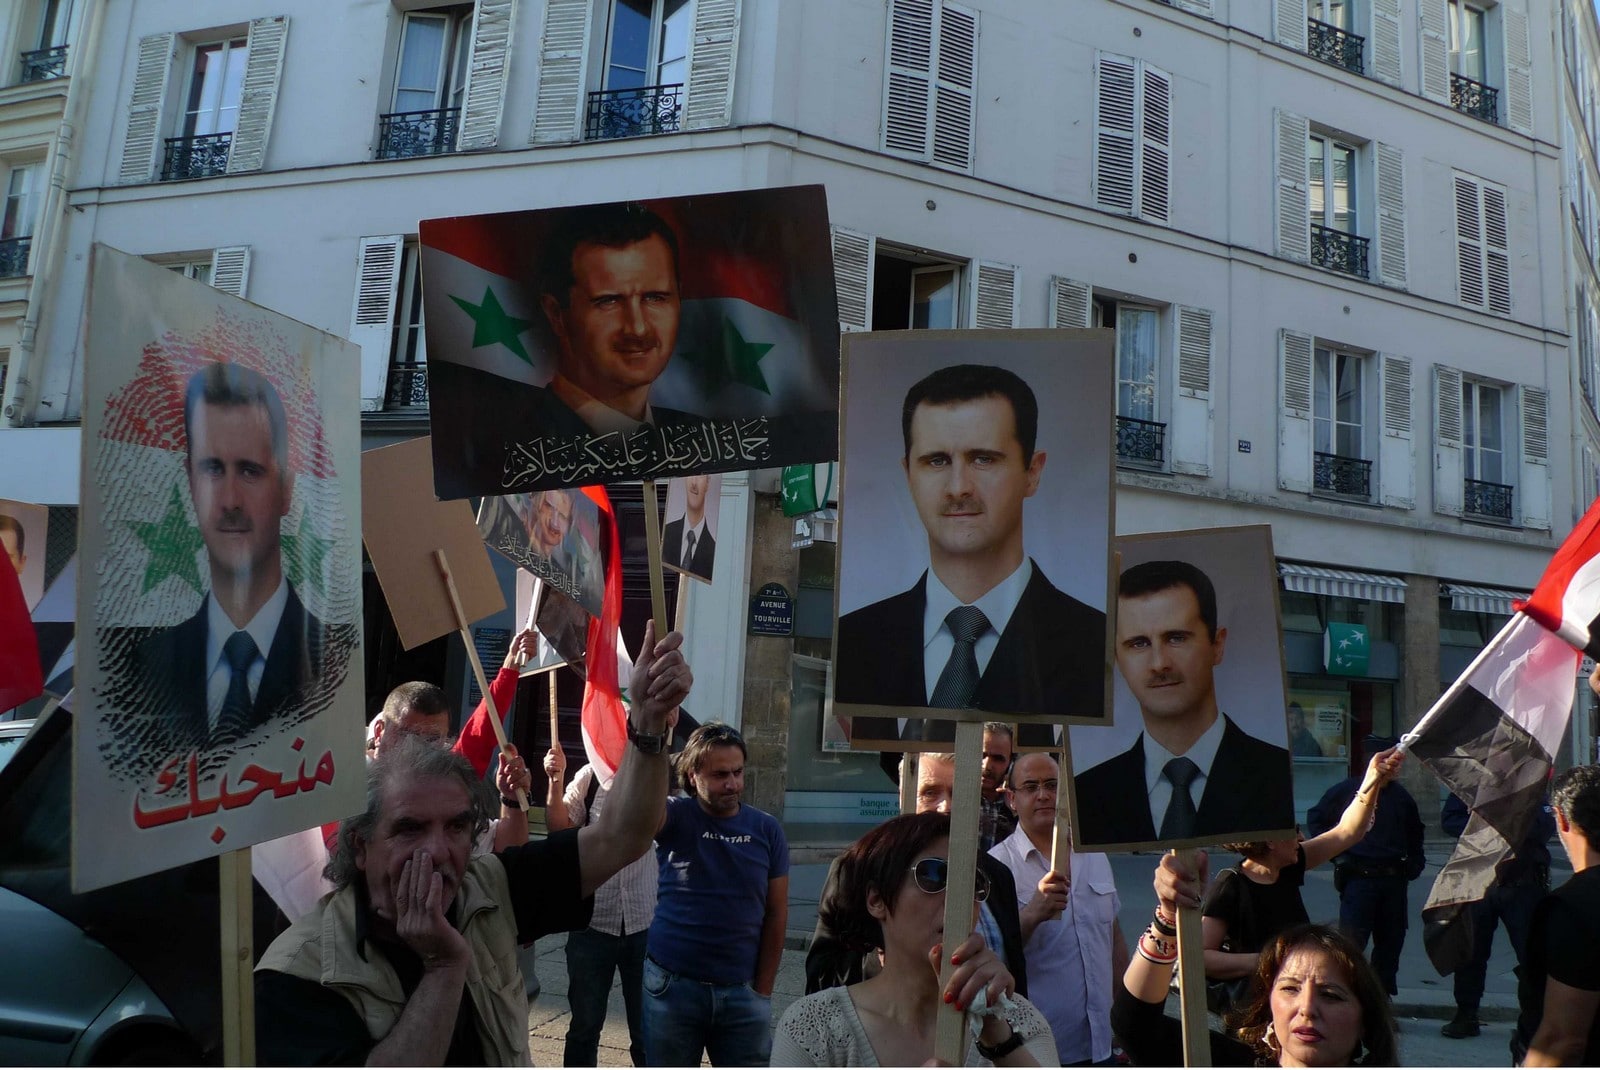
x: 404, y: 524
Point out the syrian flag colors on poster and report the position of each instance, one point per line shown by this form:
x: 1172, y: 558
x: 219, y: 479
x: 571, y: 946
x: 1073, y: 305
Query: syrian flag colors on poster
x: 606, y: 664
x: 1567, y: 600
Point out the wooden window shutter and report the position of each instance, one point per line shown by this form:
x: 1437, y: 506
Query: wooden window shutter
x: 1293, y: 210
x: 1289, y: 23
x: 146, y: 105
x: 1534, y: 487
x: 1469, y: 241
x: 1191, y: 418
x: 1391, y: 183
x: 713, y: 56
x: 1447, y: 463
x: 258, y: 99
x: 1114, y: 148
x: 994, y: 294
x: 1294, y: 411
x: 372, y: 313
x: 1386, y: 65
x: 1434, y: 50
x: 1196, y: 7
x: 1496, y: 255
x: 1519, y: 69
x: 955, y: 98
x: 488, y: 66
x: 1396, y: 458
x: 230, y: 269
x: 563, y: 69
x: 852, y: 274
x: 908, y: 77
x: 1071, y: 304
x: 1155, y: 142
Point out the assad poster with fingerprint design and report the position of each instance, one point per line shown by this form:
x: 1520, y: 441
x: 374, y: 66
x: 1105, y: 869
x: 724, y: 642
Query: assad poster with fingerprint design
x: 219, y: 674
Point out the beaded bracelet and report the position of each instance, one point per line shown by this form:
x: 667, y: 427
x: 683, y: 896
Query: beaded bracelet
x: 1162, y: 925
x: 1156, y: 950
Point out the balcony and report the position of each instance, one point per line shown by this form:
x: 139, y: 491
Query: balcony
x: 1486, y: 501
x: 1141, y: 442
x: 1338, y: 251
x: 14, y: 257
x: 653, y: 109
x: 1475, y: 99
x: 404, y: 134
x: 44, y: 63
x: 1349, y: 477
x: 407, y: 387
x: 1333, y: 45
x: 196, y: 156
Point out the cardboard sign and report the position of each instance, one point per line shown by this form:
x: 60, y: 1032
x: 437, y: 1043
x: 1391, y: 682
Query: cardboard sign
x: 531, y: 592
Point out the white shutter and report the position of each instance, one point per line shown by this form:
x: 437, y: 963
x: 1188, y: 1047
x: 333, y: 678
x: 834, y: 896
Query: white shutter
x: 1391, y: 183
x: 230, y: 269
x: 908, y: 77
x: 488, y: 65
x: 713, y: 55
x: 1496, y: 255
x: 1071, y: 304
x: 372, y: 315
x: 1294, y: 411
x: 1469, y: 241
x: 1114, y: 133
x: 145, y: 107
x: 1519, y: 70
x: 1155, y: 142
x: 1293, y: 203
x: 1447, y: 468
x: 1386, y: 41
x: 1191, y: 404
x: 994, y: 294
x: 1396, y: 458
x: 1534, y: 485
x: 852, y: 275
x: 1434, y: 49
x: 955, y: 99
x: 1195, y: 7
x: 563, y: 69
x: 258, y: 100
x: 1289, y: 23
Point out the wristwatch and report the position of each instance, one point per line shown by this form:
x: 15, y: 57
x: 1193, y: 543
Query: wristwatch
x: 647, y: 744
x: 1002, y: 1049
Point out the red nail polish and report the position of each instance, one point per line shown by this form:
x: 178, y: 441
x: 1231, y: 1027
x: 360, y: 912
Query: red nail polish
x: 948, y: 997
x: 955, y: 960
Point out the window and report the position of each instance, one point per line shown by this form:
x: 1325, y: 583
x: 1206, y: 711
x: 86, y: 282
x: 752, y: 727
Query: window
x: 1331, y: 197
x: 226, y: 268
x: 646, y: 67
x: 935, y: 297
x: 429, y: 83
x: 1140, y: 431
x: 48, y: 56
x: 1337, y: 199
x: 212, y: 98
x: 930, y: 82
x: 1331, y: 34
x: 198, y: 270
x: 1483, y: 261
x: 1491, y: 460
x: 1470, y: 88
x: 1133, y: 138
x: 1486, y: 492
x: 22, y: 193
x: 386, y: 321
x: 914, y: 291
x: 408, y: 350
x: 1337, y: 424
x: 884, y: 287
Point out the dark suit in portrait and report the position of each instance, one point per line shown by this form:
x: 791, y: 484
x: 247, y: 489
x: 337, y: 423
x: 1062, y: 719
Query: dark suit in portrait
x: 705, y: 548
x: 1248, y: 789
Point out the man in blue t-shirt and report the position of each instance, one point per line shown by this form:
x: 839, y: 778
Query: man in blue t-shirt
x: 714, y: 946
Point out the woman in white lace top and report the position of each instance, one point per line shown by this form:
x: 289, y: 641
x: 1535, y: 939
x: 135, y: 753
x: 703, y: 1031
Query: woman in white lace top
x: 892, y: 883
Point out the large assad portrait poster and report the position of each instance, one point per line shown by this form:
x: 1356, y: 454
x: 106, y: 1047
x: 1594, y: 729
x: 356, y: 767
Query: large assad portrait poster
x: 1198, y: 754
x: 631, y: 340
x: 975, y: 523
x: 219, y: 673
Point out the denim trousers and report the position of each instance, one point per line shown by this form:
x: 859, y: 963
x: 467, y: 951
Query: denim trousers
x: 730, y: 1023
x: 593, y: 959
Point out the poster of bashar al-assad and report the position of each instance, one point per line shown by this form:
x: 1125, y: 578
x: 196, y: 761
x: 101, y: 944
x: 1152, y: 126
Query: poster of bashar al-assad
x: 219, y: 609
x: 632, y: 340
x: 23, y: 528
x: 689, y: 539
x: 554, y: 534
x: 531, y: 592
x: 1199, y: 752
x: 974, y: 534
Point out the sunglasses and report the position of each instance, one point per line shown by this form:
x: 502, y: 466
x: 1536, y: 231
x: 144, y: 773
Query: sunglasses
x: 933, y: 874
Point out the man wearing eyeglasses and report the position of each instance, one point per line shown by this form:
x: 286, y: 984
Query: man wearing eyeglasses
x: 1069, y: 918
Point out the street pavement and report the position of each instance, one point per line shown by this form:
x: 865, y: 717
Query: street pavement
x: 1425, y: 1001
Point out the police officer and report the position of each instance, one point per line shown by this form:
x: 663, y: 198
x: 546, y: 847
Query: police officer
x: 1372, y: 876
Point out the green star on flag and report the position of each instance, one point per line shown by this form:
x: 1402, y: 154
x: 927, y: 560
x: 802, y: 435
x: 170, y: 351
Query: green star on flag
x: 492, y: 326
x: 730, y: 360
x: 174, y: 544
x: 303, y: 554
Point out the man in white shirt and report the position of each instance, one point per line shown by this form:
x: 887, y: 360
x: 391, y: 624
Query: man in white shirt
x: 686, y: 541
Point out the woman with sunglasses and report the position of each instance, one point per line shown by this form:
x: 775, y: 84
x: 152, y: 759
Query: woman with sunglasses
x: 891, y: 897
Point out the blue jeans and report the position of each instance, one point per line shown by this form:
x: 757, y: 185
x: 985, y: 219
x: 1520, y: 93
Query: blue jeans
x: 682, y: 1017
x: 593, y: 958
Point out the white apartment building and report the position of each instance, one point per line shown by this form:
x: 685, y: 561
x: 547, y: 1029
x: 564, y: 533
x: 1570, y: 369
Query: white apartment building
x: 1328, y: 233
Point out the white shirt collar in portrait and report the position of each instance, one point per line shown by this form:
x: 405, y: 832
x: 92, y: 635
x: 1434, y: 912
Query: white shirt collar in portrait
x: 997, y: 604
x: 263, y: 628
x: 600, y: 417
x: 1156, y: 757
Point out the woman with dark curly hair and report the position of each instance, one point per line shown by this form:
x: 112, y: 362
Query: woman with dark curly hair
x: 891, y: 898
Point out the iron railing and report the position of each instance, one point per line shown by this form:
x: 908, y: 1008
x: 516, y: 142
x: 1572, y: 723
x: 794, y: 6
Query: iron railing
x: 44, y: 63
x: 404, y: 134
x: 1333, y: 45
x: 196, y: 156
x: 1141, y: 441
x: 652, y: 109
x: 1484, y: 499
x: 1475, y: 99
x: 1338, y: 251
x: 1350, y: 476
x: 14, y: 257
x: 407, y: 388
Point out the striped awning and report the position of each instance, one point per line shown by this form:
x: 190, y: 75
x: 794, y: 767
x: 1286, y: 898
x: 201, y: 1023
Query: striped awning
x: 1342, y: 583
x: 1466, y: 598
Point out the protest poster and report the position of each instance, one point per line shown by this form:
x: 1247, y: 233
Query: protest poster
x: 24, y: 529
x: 689, y: 539
x: 552, y: 534
x: 530, y: 594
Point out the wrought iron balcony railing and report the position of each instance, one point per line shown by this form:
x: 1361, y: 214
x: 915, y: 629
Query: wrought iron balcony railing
x: 196, y: 156
x: 1488, y: 500
x: 407, y: 387
x: 1333, y: 45
x: 1141, y: 441
x: 653, y: 109
x: 1338, y: 251
x: 1350, y: 476
x: 44, y: 63
x: 404, y: 134
x: 14, y: 257
x: 1475, y: 99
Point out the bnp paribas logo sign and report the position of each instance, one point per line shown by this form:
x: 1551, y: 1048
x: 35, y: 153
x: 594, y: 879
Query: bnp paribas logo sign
x: 1346, y: 649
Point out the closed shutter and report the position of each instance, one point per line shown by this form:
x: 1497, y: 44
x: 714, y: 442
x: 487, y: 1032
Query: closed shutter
x: 1496, y: 255
x: 1396, y: 456
x: 852, y: 274
x: 1195, y: 7
x: 372, y: 316
x: 1386, y: 41
x: 955, y: 99
x: 1155, y: 146
x: 488, y: 65
x: 145, y: 107
x: 1434, y: 50
x: 1289, y: 23
x: 563, y: 67
x: 1447, y: 467
x: 1191, y: 403
x: 1391, y: 185
x: 1294, y: 411
x: 230, y: 269
x: 258, y: 99
x: 1114, y: 148
x: 1293, y: 204
x: 1469, y: 241
x: 909, y: 76
x: 1519, y: 69
x: 994, y: 296
x: 1534, y: 487
x: 1070, y: 303
x: 712, y: 57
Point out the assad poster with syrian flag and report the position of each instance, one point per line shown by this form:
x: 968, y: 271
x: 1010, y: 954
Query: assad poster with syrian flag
x: 630, y: 340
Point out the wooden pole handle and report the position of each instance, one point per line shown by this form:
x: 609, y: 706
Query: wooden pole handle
x: 1192, y: 977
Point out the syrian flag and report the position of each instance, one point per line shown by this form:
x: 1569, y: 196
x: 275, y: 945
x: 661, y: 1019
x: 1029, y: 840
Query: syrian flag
x: 21, y: 678
x: 1567, y: 600
x: 606, y: 665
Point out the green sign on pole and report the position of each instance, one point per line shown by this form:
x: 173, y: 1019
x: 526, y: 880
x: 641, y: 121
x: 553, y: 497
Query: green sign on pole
x: 799, y: 489
x: 1346, y: 649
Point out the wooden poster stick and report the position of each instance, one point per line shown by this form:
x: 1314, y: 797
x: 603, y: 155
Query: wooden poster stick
x: 555, y: 718
x: 238, y: 960
x: 1061, y: 831
x: 1192, y: 976
x: 533, y: 613
x: 908, y: 783
x: 950, y: 1036
x: 652, y: 540
x: 465, y: 628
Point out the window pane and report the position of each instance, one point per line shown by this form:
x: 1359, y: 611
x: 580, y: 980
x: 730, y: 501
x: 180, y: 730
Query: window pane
x: 1316, y: 168
x: 19, y: 209
x: 933, y: 299
x: 630, y: 44
x: 1322, y: 402
x: 1335, y: 13
x: 1349, y: 389
x: 53, y: 27
x: 679, y: 21
x: 215, y: 88
x: 1344, y: 190
x: 416, y: 82
x: 1136, y: 362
